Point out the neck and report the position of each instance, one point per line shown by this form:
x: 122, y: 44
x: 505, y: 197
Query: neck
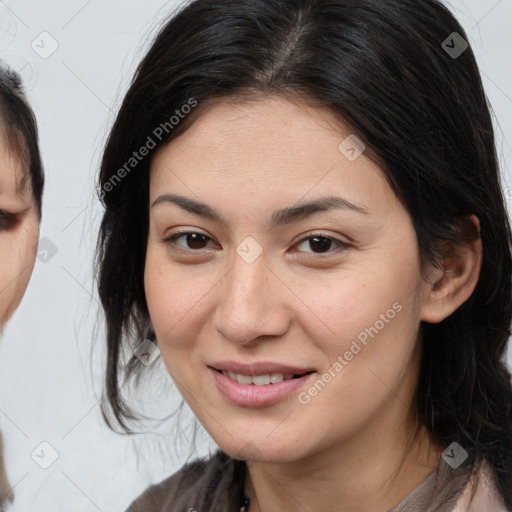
x: 372, y: 473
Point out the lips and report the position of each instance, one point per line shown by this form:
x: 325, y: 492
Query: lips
x: 258, y: 384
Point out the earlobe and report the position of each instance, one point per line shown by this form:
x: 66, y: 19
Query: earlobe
x: 449, y: 289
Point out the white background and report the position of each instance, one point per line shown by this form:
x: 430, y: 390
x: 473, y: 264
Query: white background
x: 51, y: 357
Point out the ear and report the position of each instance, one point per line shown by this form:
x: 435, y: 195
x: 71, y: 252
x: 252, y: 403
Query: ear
x: 446, y: 290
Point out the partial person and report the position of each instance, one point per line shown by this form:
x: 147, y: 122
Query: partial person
x: 21, y: 191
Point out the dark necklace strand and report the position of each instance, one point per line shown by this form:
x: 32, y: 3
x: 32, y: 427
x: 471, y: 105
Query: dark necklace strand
x: 245, y: 504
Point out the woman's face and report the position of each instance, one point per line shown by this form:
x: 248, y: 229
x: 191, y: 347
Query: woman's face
x: 19, y: 231
x: 245, y: 294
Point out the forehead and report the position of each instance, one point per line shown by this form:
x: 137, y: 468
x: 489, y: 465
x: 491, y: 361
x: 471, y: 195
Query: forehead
x: 14, y: 177
x: 272, y: 149
x: 270, y: 137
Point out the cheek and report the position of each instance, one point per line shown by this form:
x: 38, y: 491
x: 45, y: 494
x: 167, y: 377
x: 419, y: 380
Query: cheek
x: 369, y: 321
x: 176, y: 302
x: 17, y: 257
x: 376, y: 327
x: 348, y: 306
x: 176, y: 297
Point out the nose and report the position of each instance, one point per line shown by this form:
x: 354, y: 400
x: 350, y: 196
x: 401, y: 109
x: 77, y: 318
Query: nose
x: 251, y: 303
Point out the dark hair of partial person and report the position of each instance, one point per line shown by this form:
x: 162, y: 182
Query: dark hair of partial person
x: 18, y: 129
x: 424, y: 118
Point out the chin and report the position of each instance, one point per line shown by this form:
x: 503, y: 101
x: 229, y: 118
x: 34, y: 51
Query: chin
x: 261, y: 451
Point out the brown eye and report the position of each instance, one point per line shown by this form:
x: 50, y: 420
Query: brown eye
x: 193, y: 240
x: 7, y: 220
x: 320, y: 244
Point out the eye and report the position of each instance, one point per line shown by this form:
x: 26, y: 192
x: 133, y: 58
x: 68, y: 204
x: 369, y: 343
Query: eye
x: 7, y: 220
x: 192, y: 240
x: 321, y: 243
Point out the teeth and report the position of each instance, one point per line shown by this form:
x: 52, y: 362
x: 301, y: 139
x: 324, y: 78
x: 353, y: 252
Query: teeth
x: 243, y: 379
x: 261, y: 380
x: 275, y: 378
x: 258, y: 380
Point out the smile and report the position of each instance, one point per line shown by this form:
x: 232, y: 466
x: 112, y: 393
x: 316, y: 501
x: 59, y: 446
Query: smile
x: 258, y: 389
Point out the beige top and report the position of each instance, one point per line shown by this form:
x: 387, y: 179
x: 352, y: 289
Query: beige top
x: 217, y: 484
x: 449, y: 490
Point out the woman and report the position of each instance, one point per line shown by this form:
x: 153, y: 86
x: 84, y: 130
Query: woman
x: 303, y: 211
x: 21, y: 190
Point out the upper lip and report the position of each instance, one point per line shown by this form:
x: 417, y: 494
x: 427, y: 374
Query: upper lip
x: 259, y: 368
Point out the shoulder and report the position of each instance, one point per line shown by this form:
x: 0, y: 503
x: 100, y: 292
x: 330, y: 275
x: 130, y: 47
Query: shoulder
x: 481, y: 493
x: 195, y: 485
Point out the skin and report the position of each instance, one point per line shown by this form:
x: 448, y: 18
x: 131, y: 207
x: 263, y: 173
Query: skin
x: 297, y: 304
x: 19, y: 232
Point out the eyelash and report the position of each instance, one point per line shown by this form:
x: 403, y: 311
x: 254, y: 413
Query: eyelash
x: 7, y: 220
x: 171, y: 239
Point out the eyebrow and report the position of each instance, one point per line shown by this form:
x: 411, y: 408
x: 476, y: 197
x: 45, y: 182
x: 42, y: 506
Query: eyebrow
x: 278, y: 218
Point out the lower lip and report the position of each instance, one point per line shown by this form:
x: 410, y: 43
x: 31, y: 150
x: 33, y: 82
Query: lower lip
x: 250, y: 395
